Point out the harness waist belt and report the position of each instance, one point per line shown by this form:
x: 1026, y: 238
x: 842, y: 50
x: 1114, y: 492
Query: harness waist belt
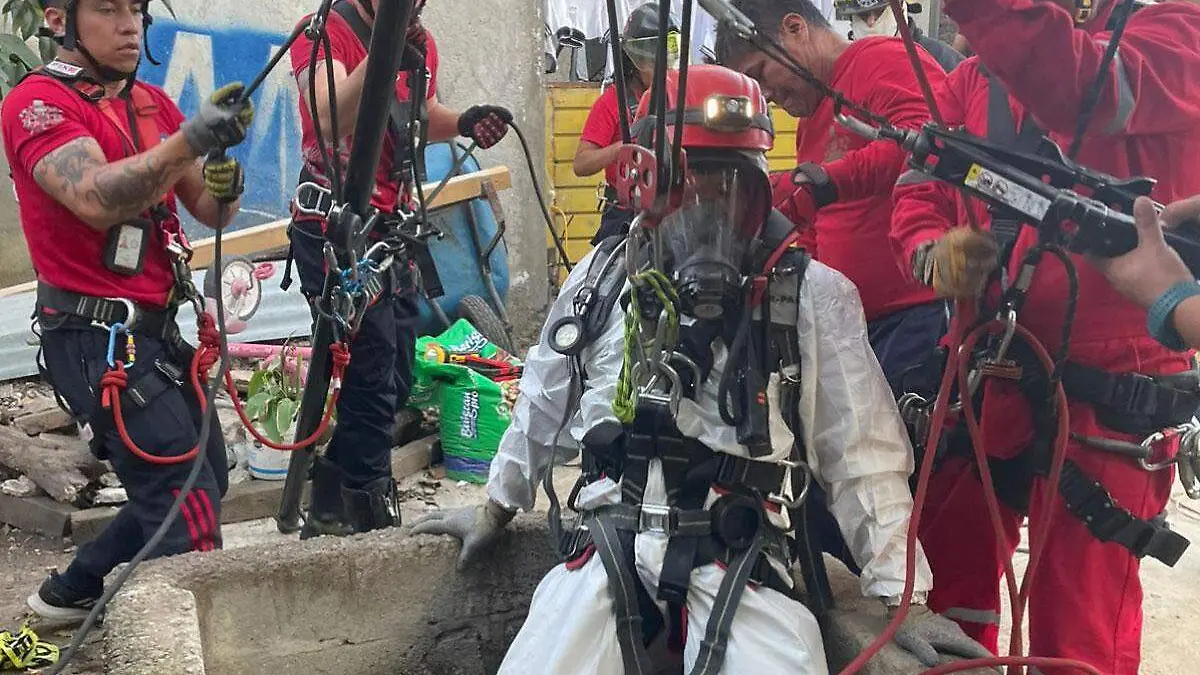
x: 1160, y: 401
x: 158, y: 323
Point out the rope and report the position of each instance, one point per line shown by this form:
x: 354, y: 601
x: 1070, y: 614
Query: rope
x: 341, y: 359
x: 624, y: 401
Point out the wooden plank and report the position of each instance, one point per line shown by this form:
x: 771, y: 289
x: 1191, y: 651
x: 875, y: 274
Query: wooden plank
x: 576, y: 95
x: 272, y: 235
x: 36, y: 514
x: 781, y: 163
x: 567, y: 121
x: 576, y: 199
x: 785, y: 146
x: 18, y: 289
x: 578, y: 226
x: 564, y: 148
x: 564, y: 176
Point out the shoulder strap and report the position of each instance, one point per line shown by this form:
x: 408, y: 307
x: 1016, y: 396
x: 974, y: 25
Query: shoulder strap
x: 1002, y: 130
x: 361, y: 30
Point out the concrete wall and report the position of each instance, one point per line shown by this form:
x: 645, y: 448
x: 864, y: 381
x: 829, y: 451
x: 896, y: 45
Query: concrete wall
x: 491, y: 53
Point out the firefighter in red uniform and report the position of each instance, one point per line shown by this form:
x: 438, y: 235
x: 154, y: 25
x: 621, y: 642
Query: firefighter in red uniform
x: 353, y: 488
x: 841, y: 193
x: 601, y: 137
x: 98, y: 161
x: 1036, y: 59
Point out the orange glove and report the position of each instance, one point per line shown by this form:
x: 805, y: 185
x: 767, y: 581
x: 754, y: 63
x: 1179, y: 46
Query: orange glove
x: 959, y: 264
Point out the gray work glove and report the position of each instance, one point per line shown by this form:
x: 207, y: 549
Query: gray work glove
x: 926, y: 634
x: 222, y: 121
x: 478, y: 527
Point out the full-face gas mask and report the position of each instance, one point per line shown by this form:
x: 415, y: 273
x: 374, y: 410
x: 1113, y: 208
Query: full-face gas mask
x: 707, y: 240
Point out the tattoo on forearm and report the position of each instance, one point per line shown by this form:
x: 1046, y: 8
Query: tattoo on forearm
x: 76, y: 172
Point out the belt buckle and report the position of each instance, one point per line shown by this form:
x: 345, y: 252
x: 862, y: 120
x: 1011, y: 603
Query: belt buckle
x: 131, y: 315
x: 784, y: 496
x: 321, y: 193
x: 654, y: 518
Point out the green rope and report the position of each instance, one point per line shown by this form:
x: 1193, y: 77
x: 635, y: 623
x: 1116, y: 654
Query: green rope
x: 624, y: 404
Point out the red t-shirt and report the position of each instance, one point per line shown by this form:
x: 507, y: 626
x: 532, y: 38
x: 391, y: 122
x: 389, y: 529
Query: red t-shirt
x: 39, y: 116
x: 603, y: 126
x: 853, y: 233
x: 347, y: 50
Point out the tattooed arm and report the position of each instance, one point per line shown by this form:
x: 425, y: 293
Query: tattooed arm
x: 104, y: 194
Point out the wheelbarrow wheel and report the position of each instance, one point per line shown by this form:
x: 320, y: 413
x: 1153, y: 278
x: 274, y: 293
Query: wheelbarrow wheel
x: 481, y: 315
x: 241, y: 291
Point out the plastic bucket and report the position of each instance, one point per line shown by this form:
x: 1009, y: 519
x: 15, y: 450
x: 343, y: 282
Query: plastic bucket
x: 267, y: 464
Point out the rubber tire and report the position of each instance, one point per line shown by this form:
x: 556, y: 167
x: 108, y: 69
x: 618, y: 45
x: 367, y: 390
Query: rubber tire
x: 481, y: 315
x: 212, y: 282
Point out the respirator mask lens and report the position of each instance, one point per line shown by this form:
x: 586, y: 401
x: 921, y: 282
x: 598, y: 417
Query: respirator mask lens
x: 707, y: 238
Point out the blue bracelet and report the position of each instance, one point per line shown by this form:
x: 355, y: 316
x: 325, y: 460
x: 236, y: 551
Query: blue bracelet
x: 1159, y: 318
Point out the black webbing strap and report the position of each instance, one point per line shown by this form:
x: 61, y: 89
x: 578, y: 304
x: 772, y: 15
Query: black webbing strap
x: 623, y: 586
x: 107, y: 312
x: 1002, y: 130
x: 1087, y: 500
x: 1143, y: 403
x: 145, y: 385
x: 729, y: 597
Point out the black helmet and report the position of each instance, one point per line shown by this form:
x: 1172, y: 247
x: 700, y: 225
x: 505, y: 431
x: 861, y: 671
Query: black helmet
x: 639, y: 40
x: 70, y: 38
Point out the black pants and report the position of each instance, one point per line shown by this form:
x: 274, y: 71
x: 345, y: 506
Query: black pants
x: 379, y: 376
x: 613, y: 221
x: 167, y: 426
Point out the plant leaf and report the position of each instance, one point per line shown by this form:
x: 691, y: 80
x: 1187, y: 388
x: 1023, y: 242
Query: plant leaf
x: 284, y: 414
x: 270, y: 428
x: 258, y: 382
x: 47, y: 49
x: 257, y: 405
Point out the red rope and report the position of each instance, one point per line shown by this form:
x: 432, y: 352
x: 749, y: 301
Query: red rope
x: 116, y: 379
x: 341, y: 359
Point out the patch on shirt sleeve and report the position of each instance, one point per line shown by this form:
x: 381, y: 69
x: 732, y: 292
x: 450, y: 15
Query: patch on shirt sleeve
x: 39, y: 117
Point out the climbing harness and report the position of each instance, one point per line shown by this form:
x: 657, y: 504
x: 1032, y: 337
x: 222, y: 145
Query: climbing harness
x: 24, y: 650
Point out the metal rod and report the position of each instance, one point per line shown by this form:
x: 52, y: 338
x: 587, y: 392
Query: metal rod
x: 379, y: 88
x: 685, y: 47
x: 614, y: 40
x: 312, y: 408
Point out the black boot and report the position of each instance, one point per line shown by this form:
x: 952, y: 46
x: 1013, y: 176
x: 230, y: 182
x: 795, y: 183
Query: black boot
x: 326, y: 515
x: 374, y: 507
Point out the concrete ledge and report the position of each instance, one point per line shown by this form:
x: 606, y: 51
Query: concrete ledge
x: 380, y: 603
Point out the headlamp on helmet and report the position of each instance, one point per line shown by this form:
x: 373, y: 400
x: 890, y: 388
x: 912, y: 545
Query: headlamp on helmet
x: 728, y: 113
x: 1084, y: 10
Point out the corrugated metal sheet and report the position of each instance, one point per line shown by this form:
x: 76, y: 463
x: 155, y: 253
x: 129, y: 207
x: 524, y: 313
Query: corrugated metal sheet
x: 280, y: 315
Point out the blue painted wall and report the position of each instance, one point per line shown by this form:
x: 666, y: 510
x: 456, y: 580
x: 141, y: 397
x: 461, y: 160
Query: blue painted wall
x: 196, y: 60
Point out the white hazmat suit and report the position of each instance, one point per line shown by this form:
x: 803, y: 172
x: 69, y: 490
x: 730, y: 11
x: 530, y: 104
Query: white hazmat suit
x: 856, y: 446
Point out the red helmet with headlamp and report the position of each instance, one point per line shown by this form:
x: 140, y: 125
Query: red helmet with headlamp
x: 726, y: 198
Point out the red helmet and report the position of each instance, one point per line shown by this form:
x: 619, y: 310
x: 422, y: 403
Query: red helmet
x: 726, y: 195
x: 724, y: 110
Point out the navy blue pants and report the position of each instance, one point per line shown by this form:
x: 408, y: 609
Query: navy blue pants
x: 379, y: 376
x: 613, y: 221
x: 167, y: 426
x: 902, y: 341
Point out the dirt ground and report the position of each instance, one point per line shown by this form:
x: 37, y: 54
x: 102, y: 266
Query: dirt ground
x: 1172, y: 598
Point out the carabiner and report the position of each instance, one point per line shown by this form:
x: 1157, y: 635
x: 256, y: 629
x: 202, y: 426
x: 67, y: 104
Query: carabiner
x: 782, y: 497
x: 113, y: 331
x: 1159, y: 436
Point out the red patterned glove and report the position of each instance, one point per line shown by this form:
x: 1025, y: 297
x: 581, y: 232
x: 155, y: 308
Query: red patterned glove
x: 794, y: 201
x: 484, y: 124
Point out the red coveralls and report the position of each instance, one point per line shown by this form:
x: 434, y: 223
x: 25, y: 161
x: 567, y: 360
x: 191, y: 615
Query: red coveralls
x: 603, y: 128
x: 1086, y: 602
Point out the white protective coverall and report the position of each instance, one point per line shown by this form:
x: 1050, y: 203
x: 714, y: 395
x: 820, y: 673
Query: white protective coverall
x: 856, y: 446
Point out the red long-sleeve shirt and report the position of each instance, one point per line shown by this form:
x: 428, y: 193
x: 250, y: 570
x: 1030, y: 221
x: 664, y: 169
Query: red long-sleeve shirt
x: 852, y: 233
x: 1147, y: 123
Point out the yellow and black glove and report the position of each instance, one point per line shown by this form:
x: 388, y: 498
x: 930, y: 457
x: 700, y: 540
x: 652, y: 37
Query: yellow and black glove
x: 958, y: 265
x: 222, y: 121
x: 223, y: 177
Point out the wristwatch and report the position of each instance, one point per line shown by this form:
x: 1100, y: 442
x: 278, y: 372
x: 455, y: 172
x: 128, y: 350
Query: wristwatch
x: 824, y: 192
x: 1159, y: 320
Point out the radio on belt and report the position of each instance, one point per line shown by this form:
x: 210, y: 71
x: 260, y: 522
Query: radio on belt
x: 125, y: 251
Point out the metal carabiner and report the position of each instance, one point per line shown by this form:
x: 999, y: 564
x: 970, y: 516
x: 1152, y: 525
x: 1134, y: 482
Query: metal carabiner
x: 1010, y: 329
x: 785, y: 486
x: 1159, y: 436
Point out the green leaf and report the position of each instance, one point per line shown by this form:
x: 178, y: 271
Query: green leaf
x: 257, y: 405
x: 258, y: 382
x: 270, y: 427
x: 284, y: 414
